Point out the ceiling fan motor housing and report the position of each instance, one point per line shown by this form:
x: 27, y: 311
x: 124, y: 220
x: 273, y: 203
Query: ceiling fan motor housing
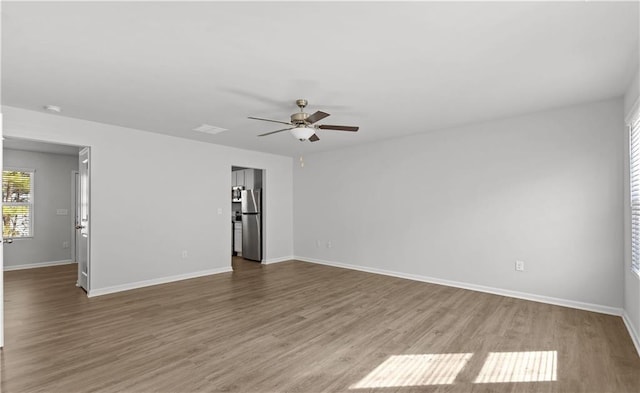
x: 299, y: 118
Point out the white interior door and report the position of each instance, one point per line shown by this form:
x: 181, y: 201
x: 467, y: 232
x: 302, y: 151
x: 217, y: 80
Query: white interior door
x: 83, y: 219
x: 75, y: 184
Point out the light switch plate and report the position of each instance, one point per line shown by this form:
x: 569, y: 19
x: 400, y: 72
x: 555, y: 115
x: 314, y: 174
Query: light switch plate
x: 62, y: 212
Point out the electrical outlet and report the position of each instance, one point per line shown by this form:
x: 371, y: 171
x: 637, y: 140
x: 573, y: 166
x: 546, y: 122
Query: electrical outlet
x: 185, y: 254
x: 65, y: 244
x: 329, y: 245
x: 520, y: 266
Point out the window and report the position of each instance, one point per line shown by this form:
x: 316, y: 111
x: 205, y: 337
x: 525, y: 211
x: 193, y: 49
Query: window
x: 17, y: 203
x: 634, y: 173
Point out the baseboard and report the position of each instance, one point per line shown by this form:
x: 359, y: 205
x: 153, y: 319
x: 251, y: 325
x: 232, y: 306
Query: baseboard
x: 635, y: 337
x: 473, y: 287
x: 155, y: 281
x: 277, y: 260
x: 37, y: 265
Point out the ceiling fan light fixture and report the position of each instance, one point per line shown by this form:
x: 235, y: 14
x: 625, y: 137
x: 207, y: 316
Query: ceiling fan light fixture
x: 302, y: 132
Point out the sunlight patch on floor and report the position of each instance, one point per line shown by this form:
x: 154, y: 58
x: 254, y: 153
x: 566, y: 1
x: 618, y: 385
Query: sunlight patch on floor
x: 532, y: 366
x: 415, y: 370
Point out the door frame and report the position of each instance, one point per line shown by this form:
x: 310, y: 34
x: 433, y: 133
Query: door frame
x: 74, y: 203
x: 1, y: 244
x: 263, y: 223
x: 74, y: 189
x: 89, y: 213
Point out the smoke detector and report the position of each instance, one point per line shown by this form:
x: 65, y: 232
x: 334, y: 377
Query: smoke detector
x: 52, y: 108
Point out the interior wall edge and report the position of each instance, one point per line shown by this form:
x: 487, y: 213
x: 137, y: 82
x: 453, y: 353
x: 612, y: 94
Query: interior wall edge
x: 277, y: 260
x: 635, y: 337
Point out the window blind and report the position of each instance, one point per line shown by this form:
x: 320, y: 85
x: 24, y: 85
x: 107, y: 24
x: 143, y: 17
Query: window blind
x: 17, y: 203
x: 634, y: 173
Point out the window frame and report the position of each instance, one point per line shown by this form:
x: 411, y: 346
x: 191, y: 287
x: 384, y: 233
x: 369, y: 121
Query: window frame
x: 30, y: 204
x: 633, y: 126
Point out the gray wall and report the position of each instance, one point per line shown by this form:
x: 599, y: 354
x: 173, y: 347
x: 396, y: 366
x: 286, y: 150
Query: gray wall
x: 464, y: 204
x: 137, y: 237
x: 52, y: 191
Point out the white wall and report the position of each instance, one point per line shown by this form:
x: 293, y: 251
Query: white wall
x: 52, y: 191
x: 463, y: 204
x: 154, y: 196
x: 632, y: 95
x: 631, y: 280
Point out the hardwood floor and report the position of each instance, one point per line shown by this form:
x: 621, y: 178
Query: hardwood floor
x: 300, y: 327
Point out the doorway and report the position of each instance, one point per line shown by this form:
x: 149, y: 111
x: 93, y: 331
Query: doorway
x: 247, y: 214
x: 45, y: 234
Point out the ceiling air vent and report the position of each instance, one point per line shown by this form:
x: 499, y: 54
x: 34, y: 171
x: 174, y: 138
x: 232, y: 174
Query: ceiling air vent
x: 209, y: 129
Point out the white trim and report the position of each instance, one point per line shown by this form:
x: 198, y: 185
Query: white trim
x: 86, y: 150
x: 1, y: 244
x: 155, y: 281
x: 277, y: 260
x: 473, y: 287
x: 635, y: 337
x: 75, y: 176
x: 18, y: 169
x: 37, y: 265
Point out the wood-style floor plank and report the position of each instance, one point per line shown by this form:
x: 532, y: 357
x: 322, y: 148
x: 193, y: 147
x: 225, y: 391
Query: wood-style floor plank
x: 295, y: 327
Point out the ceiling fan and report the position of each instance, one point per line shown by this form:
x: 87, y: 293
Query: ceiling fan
x: 302, y: 124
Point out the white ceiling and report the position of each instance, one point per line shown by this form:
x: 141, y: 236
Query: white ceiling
x: 392, y: 68
x: 28, y: 145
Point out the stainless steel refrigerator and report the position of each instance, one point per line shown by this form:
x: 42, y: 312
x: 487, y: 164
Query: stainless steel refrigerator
x: 251, y: 209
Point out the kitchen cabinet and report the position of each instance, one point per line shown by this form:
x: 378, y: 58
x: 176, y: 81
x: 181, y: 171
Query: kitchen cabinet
x: 247, y: 178
x: 237, y: 237
x: 237, y: 178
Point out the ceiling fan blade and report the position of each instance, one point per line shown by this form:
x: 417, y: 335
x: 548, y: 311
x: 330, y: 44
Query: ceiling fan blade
x: 276, y: 131
x: 338, y: 128
x: 319, y: 115
x: 273, y: 121
x: 314, y: 138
